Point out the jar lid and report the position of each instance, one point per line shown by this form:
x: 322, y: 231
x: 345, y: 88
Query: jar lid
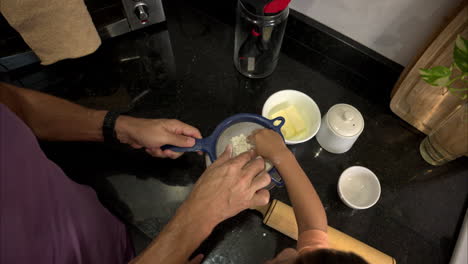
x: 345, y: 120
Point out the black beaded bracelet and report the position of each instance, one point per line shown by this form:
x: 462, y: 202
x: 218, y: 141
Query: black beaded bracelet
x: 108, y: 127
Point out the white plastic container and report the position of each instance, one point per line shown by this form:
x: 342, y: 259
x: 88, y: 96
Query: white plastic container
x: 340, y: 128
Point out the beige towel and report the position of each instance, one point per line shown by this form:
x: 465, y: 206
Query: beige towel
x: 54, y: 29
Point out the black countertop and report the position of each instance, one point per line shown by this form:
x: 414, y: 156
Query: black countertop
x: 185, y: 71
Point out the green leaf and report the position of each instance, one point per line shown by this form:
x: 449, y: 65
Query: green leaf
x: 460, y: 53
x: 461, y: 43
x: 436, y: 76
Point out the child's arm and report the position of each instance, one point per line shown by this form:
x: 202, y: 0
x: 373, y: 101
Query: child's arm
x: 306, y: 203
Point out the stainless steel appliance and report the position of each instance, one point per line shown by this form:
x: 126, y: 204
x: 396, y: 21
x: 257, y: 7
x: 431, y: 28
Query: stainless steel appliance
x: 136, y: 14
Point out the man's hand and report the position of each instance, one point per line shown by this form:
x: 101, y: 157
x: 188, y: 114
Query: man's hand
x: 229, y: 186
x: 154, y: 133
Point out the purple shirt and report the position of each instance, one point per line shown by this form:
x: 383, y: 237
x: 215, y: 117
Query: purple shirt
x: 44, y: 216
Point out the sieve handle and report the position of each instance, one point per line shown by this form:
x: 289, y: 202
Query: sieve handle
x: 277, y: 128
x: 200, y: 145
x: 278, y: 182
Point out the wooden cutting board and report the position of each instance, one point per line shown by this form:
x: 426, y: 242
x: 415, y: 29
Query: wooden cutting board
x: 418, y: 103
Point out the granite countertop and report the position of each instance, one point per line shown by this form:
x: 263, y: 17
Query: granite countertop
x: 185, y: 71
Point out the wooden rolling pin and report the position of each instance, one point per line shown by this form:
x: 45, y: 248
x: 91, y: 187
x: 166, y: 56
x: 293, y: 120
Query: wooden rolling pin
x: 280, y: 217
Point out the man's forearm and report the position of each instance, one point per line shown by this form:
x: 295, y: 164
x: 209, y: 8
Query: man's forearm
x: 53, y: 118
x: 179, y: 238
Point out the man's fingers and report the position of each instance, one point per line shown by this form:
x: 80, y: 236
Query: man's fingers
x: 225, y: 156
x: 260, y: 198
x: 182, y: 128
x: 136, y: 146
x: 260, y: 181
x: 155, y: 152
x: 254, y: 167
x: 171, y: 154
x: 179, y: 140
x: 243, y: 158
x: 191, y: 131
x: 197, y: 260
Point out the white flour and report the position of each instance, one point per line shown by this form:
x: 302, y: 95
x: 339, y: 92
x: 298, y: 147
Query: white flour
x: 240, y: 145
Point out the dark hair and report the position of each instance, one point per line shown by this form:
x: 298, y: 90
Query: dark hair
x: 328, y: 256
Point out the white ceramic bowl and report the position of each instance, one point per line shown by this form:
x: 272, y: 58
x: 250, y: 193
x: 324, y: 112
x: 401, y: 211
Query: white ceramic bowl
x: 307, y: 108
x: 358, y: 187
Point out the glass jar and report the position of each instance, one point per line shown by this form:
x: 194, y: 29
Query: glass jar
x: 258, y: 41
x: 449, y: 140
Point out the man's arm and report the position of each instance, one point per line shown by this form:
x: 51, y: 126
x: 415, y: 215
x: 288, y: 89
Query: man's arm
x: 179, y: 238
x: 53, y: 118
x: 226, y: 188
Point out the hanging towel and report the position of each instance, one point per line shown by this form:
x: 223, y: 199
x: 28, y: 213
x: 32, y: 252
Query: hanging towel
x: 53, y: 29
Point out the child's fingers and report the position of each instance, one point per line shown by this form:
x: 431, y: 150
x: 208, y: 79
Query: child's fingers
x: 251, y: 137
x: 255, y: 132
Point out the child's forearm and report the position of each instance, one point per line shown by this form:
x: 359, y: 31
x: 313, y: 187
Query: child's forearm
x: 306, y: 203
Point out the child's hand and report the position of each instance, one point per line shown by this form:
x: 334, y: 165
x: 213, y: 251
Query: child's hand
x: 269, y: 144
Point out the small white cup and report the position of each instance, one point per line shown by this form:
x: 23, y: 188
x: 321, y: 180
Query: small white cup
x: 359, y: 187
x: 305, y: 105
